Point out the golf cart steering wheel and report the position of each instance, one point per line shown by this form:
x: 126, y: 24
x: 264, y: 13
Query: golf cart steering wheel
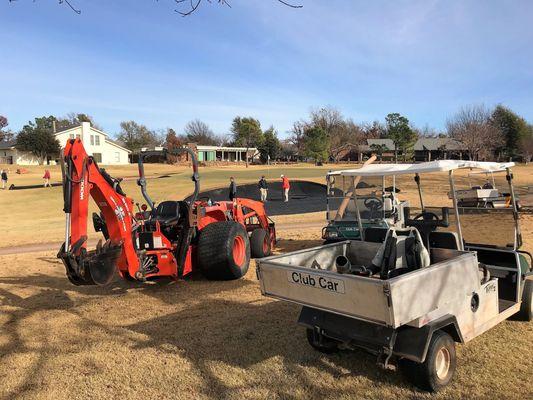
x: 373, y: 204
x: 426, y: 216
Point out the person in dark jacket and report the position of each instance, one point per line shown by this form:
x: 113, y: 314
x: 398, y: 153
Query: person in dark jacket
x: 263, y: 188
x: 232, y: 189
x: 4, y: 179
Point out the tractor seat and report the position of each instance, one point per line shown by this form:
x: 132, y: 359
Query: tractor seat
x: 169, y: 213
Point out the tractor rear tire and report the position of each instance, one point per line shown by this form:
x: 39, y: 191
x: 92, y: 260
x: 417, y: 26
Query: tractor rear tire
x: 260, y: 243
x: 223, y: 251
x: 526, y: 308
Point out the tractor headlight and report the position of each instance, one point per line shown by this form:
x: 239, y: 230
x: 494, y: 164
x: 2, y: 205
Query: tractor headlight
x: 332, y: 234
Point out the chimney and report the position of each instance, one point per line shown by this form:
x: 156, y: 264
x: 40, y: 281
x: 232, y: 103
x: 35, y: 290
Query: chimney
x: 86, y: 136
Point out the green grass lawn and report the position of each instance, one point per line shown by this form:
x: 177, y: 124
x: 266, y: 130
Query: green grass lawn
x: 36, y: 216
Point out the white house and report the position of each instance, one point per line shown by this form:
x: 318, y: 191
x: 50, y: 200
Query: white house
x: 96, y: 143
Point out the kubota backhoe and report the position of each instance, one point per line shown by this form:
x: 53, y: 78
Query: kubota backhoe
x: 169, y: 239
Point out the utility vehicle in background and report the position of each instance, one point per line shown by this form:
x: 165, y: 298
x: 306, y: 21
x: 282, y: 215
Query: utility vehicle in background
x: 443, y: 278
x: 486, y: 194
x: 353, y: 218
x: 170, y: 239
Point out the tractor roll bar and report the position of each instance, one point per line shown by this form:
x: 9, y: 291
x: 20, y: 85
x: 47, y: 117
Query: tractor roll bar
x: 195, y: 176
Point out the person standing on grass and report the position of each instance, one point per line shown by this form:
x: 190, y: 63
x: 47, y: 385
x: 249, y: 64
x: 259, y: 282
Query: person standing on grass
x: 286, y: 186
x: 263, y: 188
x: 232, y: 189
x: 3, y: 175
x: 46, y: 178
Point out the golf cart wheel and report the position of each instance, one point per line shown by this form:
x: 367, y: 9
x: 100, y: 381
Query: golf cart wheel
x: 260, y: 243
x: 224, y: 251
x: 321, y: 343
x: 526, y: 308
x: 438, y: 369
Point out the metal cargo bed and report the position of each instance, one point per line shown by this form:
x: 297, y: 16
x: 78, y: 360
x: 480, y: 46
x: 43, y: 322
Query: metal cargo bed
x: 308, y: 277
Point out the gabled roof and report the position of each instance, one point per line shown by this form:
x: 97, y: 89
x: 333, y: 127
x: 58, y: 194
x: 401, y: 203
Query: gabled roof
x: 437, y: 144
x: 7, y: 145
x: 116, y: 144
x: 424, y: 143
x: 79, y: 127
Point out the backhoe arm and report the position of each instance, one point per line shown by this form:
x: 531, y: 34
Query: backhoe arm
x: 83, y: 179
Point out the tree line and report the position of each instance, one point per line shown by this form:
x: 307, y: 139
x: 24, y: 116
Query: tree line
x: 484, y: 133
x: 323, y: 136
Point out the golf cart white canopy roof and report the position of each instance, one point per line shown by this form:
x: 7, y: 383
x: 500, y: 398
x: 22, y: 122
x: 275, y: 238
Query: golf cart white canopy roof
x: 421, y: 168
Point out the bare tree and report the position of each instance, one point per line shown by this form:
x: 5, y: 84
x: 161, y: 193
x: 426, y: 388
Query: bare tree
x: 297, y: 136
x: 199, y: 132
x: 5, y: 134
x: 347, y: 136
x: 472, y: 126
x: 185, y: 7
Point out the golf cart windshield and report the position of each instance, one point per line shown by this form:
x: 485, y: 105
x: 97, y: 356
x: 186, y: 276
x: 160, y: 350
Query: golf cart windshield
x: 374, y: 198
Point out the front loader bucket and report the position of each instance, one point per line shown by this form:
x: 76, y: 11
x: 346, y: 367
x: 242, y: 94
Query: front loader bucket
x: 96, y: 267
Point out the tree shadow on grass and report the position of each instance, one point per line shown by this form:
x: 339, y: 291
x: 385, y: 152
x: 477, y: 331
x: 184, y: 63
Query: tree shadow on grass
x: 247, y: 334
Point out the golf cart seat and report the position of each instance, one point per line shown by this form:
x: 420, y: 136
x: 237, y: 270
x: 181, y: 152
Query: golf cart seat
x: 375, y: 235
x: 402, y: 251
x: 444, y: 240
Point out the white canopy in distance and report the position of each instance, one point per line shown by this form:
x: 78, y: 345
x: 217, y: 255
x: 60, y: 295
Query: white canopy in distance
x: 421, y: 168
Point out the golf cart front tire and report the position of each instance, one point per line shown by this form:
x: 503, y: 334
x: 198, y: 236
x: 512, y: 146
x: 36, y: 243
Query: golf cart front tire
x: 526, y: 308
x: 438, y: 369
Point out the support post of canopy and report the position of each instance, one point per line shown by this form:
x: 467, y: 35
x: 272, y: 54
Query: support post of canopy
x: 518, y: 234
x: 359, y: 222
x: 456, y: 211
x: 417, y: 180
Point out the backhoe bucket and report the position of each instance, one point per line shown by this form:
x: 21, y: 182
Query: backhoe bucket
x: 96, y: 267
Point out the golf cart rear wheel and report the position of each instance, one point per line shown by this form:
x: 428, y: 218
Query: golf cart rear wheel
x: 321, y: 343
x: 526, y: 308
x: 438, y: 369
x: 224, y: 251
x: 260, y: 243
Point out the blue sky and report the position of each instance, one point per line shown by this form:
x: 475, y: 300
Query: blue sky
x: 139, y: 60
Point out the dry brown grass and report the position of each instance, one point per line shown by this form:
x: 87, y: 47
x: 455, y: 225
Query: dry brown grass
x: 196, y: 339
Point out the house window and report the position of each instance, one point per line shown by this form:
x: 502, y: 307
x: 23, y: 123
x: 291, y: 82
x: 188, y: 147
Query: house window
x: 97, y: 140
x: 97, y: 157
x: 92, y: 140
x: 117, y: 157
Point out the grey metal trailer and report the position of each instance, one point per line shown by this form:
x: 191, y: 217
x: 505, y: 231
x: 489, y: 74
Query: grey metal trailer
x: 410, y: 317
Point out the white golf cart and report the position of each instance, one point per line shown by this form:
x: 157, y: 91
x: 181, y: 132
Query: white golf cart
x: 409, y: 299
x: 485, y: 193
x: 364, y: 216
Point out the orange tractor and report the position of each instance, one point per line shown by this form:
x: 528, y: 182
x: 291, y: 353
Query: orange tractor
x: 170, y: 239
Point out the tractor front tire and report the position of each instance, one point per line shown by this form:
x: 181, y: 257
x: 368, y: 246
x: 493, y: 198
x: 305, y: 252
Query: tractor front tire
x: 223, y: 251
x: 260, y: 243
x: 526, y: 308
x: 439, y: 367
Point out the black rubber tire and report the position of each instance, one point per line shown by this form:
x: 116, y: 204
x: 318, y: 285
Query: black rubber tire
x: 424, y: 375
x: 215, y: 251
x: 526, y: 308
x: 324, y: 344
x: 257, y: 243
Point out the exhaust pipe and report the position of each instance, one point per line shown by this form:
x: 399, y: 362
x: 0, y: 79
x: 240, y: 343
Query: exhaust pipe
x: 343, y: 265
